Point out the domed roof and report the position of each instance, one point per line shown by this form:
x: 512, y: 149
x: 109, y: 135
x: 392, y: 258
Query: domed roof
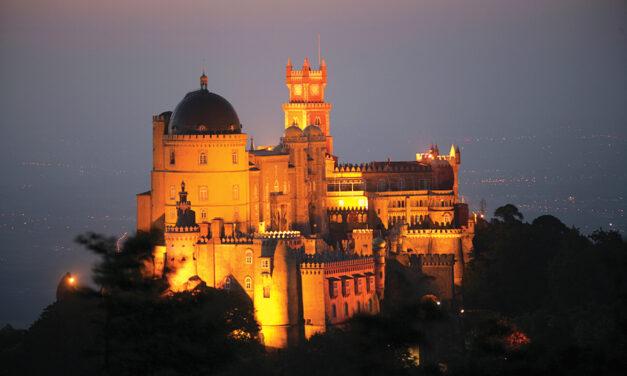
x: 202, y: 111
x: 293, y: 131
x: 313, y: 130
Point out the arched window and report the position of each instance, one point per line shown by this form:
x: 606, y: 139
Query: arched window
x: 203, y: 193
x: 202, y: 158
x: 172, y: 157
x: 236, y: 192
x: 248, y: 256
x: 333, y: 311
x: 248, y: 283
x: 317, y: 122
x: 234, y: 157
x: 203, y: 215
x: 227, y: 283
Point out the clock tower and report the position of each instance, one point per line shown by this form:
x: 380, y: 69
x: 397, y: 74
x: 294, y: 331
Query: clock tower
x: 306, y: 105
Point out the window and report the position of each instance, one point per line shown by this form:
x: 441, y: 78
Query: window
x: 202, y: 159
x: 266, y: 291
x: 249, y: 256
x: 172, y: 192
x: 248, y: 283
x: 203, y: 193
x: 203, y: 214
x: 236, y: 192
x: 317, y: 122
x: 265, y: 263
x: 234, y: 157
x: 227, y: 283
x: 172, y: 157
x: 333, y: 311
x: 346, y: 309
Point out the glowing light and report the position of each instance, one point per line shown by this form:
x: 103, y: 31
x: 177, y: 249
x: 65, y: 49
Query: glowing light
x: 341, y: 202
x: 461, y: 311
x: 438, y: 302
x: 71, y: 280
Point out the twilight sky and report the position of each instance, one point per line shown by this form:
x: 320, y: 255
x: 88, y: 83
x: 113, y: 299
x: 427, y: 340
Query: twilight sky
x: 535, y: 93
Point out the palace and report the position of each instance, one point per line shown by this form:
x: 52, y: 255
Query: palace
x: 305, y: 237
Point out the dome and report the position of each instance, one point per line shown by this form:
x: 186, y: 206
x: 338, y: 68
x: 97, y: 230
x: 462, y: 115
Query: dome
x: 202, y: 111
x: 313, y: 131
x: 293, y: 131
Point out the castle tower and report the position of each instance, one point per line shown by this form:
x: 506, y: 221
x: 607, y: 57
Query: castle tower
x: 180, y: 243
x: 306, y: 105
x: 276, y: 298
x: 379, y: 247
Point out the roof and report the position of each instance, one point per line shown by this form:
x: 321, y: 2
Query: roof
x: 202, y: 111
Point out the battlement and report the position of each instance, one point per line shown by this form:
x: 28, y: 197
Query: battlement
x: 182, y: 229
x: 362, y: 231
x: 245, y: 239
x: 436, y: 259
x: 335, y: 262
x: 435, y: 232
x: 278, y: 234
x: 307, y: 105
x: 208, y: 136
x: 381, y: 167
x: 347, y: 209
x: 296, y: 73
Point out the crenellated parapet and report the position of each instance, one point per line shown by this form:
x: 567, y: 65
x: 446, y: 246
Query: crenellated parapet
x: 244, y: 239
x: 346, y: 209
x: 291, y: 234
x: 182, y: 229
x: 437, y: 259
x: 382, y: 167
x: 435, y: 232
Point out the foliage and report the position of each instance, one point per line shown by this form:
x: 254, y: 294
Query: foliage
x: 566, y: 292
x: 132, y: 327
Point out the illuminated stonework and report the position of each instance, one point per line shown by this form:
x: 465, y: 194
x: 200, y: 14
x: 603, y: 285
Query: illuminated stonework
x: 288, y: 225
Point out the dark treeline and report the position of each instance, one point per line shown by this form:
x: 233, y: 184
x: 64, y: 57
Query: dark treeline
x: 539, y: 298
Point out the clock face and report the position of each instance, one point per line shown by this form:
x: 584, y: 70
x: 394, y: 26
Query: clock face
x: 315, y: 89
x: 298, y: 89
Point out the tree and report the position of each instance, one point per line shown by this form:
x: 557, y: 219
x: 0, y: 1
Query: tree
x: 508, y: 214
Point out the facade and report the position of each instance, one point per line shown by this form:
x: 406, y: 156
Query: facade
x: 289, y: 225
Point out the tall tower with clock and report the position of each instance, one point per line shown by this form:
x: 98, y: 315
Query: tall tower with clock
x: 306, y: 104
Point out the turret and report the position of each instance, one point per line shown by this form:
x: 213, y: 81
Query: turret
x: 276, y: 298
x: 180, y: 240
x: 379, y: 247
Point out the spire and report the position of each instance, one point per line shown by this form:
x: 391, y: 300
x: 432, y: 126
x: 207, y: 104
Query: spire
x: 319, y: 58
x: 185, y: 216
x: 289, y: 62
x: 306, y: 64
x: 323, y: 63
x: 203, y: 81
x: 252, y: 144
